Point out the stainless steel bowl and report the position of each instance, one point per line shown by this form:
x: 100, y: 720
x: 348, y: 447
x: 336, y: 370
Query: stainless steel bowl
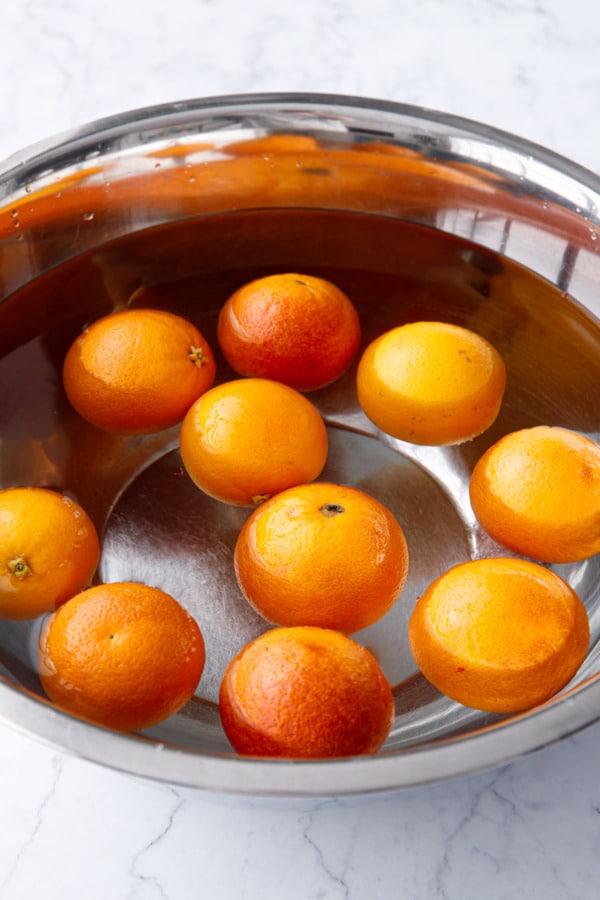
x: 420, y: 214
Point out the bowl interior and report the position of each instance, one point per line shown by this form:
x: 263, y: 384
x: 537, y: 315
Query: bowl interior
x: 415, y: 217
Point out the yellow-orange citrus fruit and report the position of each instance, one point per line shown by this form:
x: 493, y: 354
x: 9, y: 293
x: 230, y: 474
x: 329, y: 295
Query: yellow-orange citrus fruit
x: 49, y: 550
x: 305, y: 693
x: 247, y: 439
x: 500, y: 635
x: 431, y: 383
x: 298, y: 329
x: 137, y: 371
x: 537, y: 492
x: 123, y: 655
x: 322, y: 554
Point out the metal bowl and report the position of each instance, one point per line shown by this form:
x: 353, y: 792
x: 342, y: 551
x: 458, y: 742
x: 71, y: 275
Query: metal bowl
x: 417, y: 214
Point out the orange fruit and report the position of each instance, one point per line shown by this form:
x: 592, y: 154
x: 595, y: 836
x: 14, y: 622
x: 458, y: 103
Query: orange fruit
x: 249, y: 438
x: 537, y: 492
x: 431, y: 383
x: 500, y: 635
x: 49, y: 550
x: 321, y: 554
x: 137, y: 371
x: 123, y: 655
x: 298, y: 329
x: 305, y: 692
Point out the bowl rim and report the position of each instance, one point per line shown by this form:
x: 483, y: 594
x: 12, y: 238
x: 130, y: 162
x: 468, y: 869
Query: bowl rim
x: 386, y: 772
x: 287, y: 101
x: 228, y: 773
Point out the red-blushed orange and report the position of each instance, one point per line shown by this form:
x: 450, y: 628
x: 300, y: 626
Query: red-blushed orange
x: 305, y: 693
x: 298, y: 329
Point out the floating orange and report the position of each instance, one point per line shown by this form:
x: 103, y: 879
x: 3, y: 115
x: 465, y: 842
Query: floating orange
x: 501, y: 635
x: 124, y: 655
x: 294, y: 328
x: 305, y: 692
x: 137, y: 371
x: 322, y: 554
x: 247, y: 439
x: 49, y: 550
x: 431, y: 383
x: 537, y: 491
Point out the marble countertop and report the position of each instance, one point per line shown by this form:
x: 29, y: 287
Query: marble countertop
x: 530, y: 829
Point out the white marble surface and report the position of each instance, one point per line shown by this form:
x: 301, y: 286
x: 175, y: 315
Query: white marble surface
x: 70, y: 829
x: 528, y: 66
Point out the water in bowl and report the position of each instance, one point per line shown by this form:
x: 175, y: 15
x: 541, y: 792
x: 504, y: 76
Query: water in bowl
x: 156, y: 527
